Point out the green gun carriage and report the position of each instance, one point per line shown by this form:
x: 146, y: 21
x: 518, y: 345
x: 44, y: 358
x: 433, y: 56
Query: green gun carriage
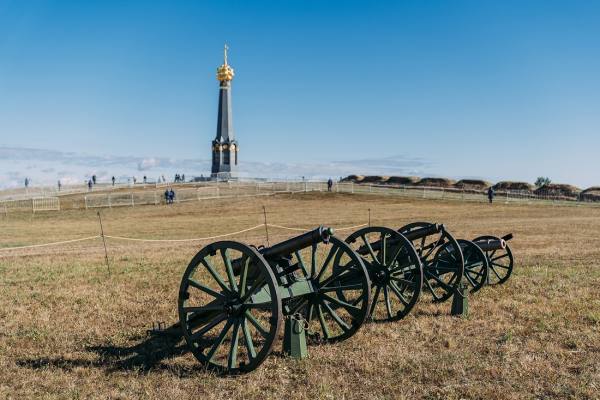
x: 440, y: 255
x: 499, y: 257
x: 233, y: 296
x: 394, y: 268
x: 488, y: 260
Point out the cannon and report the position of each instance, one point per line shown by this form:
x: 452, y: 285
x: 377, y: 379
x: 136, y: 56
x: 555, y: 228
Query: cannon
x: 440, y: 255
x: 498, y: 255
x: 394, y: 269
x: 233, y: 296
x: 476, y: 266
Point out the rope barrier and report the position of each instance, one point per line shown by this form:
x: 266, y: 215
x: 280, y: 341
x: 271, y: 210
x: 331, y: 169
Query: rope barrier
x: 304, y: 229
x: 171, y: 240
x: 51, y: 244
x: 185, y: 240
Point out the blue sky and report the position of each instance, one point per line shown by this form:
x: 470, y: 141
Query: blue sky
x: 498, y: 90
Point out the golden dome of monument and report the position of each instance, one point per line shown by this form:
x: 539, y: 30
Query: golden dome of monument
x: 225, y: 72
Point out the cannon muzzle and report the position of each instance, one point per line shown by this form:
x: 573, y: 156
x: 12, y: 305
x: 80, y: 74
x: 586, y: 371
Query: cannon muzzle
x: 491, y: 244
x: 321, y: 234
x: 286, y: 248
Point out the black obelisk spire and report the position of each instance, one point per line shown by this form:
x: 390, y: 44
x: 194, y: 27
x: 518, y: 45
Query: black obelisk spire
x: 224, y: 147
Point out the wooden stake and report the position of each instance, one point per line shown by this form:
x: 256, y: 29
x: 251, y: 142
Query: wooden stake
x: 104, y: 242
x: 266, y: 226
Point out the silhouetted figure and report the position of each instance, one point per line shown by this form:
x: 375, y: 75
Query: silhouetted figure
x: 134, y: 180
x: 171, y: 195
x: 329, y: 185
x: 490, y: 194
x: 166, y: 196
x: 183, y: 178
x: 26, y: 183
x: 113, y: 180
x: 94, y: 179
x: 90, y: 185
x: 145, y: 180
x: 59, y: 185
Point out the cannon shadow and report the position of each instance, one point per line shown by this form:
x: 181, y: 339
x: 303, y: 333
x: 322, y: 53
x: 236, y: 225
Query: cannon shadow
x: 145, y: 356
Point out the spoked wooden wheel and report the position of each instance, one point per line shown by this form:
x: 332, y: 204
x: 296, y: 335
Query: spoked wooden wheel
x: 394, y: 268
x: 341, y: 301
x: 476, y: 264
x: 500, y: 261
x: 229, y: 307
x: 440, y: 256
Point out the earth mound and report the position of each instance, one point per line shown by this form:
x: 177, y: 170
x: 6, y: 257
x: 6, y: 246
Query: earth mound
x: 516, y: 186
x: 403, y: 180
x: 558, y: 189
x: 436, y: 182
x: 590, y: 194
x: 472, y: 184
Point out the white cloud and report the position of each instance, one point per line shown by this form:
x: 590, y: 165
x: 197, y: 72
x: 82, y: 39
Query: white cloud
x: 46, y: 167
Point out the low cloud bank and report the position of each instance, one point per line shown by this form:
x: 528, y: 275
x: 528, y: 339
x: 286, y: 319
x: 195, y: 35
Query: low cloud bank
x: 46, y: 167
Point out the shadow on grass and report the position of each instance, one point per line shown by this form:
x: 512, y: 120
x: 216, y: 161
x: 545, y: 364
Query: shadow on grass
x: 145, y: 356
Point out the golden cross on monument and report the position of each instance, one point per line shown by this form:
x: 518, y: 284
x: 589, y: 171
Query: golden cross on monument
x: 225, y: 48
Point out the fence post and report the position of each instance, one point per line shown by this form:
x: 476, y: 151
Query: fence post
x: 351, y: 187
x: 132, y: 202
x: 33, y: 205
x: 85, y: 200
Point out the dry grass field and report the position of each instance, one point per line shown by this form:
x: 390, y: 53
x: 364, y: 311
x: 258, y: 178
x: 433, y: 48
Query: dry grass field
x: 71, y: 330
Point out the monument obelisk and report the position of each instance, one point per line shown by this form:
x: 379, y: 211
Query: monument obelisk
x: 224, y: 147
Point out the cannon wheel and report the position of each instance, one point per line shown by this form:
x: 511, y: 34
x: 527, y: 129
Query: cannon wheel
x: 442, y: 269
x: 500, y: 262
x: 476, y: 264
x: 394, y: 268
x: 230, y: 323
x: 341, y: 302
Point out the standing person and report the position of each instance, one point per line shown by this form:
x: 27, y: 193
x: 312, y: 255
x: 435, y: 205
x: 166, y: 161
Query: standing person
x: 166, y: 196
x: 490, y: 194
x: 113, y: 180
x: 145, y: 179
x: 94, y: 179
x: 329, y: 185
x: 89, y: 185
x: 171, y: 195
x: 26, y: 183
x: 59, y: 185
x: 183, y: 178
x: 134, y: 180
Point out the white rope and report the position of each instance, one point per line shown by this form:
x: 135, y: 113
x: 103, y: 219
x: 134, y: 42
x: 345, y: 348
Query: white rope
x: 51, y: 244
x: 304, y: 230
x: 185, y: 240
x: 170, y: 240
x: 351, y: 227
x: 286, y: 227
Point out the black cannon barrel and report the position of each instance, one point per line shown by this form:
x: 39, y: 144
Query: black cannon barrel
x: 424, y: 231
x: 491, y: 244
x: 321, y: 234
